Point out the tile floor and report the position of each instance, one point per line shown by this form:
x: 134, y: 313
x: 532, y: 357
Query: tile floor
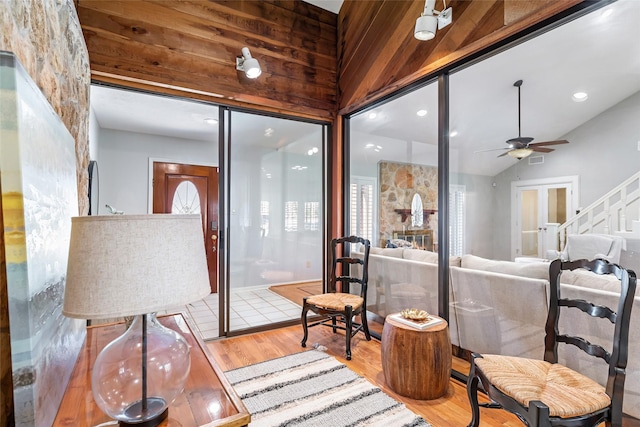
x: 250, y: 307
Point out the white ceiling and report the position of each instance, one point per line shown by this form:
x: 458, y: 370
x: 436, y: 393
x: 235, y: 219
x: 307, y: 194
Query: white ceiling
x: 596, y: 54
x: 330, y: 5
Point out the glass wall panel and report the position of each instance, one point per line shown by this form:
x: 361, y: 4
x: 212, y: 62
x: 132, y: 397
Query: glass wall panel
x: 574, y: 177
x: 393, y: 199
x: 275, y: 221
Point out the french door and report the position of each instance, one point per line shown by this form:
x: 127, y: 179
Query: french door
x: 539, y: 208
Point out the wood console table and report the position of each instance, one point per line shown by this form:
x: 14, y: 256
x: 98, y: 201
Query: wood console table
x: 207, y: 400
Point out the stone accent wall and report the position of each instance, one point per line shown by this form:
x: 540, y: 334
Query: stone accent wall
x: 46, y: 37
x: 398, y: 183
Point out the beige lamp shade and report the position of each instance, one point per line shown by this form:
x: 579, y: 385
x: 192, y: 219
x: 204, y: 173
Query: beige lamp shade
x: 125, y: 265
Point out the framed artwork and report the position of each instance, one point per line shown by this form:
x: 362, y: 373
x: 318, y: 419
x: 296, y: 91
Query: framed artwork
x: 39, y: 197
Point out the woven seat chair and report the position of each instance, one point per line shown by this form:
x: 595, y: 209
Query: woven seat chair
x: 546, y: 393
x: 337, y: 307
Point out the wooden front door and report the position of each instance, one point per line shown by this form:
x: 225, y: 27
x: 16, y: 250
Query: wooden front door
x: 190, y: 189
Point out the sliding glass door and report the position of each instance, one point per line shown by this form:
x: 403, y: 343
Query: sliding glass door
x: 577, y: 99
x: 393, y: 197
x: 275, y: 217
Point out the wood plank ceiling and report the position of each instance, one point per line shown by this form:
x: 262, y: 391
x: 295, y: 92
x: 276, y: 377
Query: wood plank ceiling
x: 191, y: 46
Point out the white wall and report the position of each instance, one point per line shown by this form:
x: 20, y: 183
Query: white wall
x: 124, y: 164
x: 603, y: 152
x: 94, y: 131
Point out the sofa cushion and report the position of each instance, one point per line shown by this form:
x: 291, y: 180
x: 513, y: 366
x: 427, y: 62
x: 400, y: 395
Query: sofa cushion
x: 534, y: 270
x: 587, y: 246
x: 428, y: 256
x: 392, y: 252
x: 420, y: 255
x: 399, y: 243
x: 587, y: 279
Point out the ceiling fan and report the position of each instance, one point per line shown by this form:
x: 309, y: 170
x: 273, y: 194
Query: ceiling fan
x: 522, y: 146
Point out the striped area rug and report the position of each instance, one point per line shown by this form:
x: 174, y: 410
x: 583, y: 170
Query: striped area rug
x: 313, y: 389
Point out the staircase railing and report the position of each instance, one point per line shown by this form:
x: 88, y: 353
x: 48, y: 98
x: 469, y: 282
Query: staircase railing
x: 607, y: 213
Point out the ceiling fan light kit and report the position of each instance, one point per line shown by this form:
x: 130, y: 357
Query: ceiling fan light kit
x: 520, y: 153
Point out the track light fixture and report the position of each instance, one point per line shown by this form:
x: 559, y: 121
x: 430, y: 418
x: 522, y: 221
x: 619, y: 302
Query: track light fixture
x: 248, y: 64
x: 432, y: 20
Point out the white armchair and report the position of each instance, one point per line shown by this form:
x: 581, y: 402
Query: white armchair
x: 590, y: 246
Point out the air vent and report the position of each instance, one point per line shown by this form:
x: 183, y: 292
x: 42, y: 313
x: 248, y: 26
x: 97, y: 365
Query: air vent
x: 536, y: 160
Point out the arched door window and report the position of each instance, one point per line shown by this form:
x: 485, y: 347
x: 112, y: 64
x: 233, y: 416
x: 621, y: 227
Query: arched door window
x: 186, y: 199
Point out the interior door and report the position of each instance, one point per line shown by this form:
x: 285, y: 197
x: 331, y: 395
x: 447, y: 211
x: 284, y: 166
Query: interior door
x: 190, y: 189
x: 538, y: 206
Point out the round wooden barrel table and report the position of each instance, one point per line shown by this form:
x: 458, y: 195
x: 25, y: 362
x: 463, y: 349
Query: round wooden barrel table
x: 416, y: 362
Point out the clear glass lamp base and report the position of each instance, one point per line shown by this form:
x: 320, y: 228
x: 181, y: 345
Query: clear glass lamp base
x: 137, y: 376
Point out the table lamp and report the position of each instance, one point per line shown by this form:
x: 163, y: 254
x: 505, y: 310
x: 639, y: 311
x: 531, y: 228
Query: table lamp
x: 137, y: 265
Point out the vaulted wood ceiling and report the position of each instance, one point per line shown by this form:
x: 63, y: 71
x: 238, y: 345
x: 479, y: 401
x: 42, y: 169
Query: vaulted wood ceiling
x: 315, y: 63
x: 378, y: 53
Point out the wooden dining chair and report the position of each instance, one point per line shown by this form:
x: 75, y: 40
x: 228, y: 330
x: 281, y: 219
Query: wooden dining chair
x: 546, y: 393
x: 337, y: 307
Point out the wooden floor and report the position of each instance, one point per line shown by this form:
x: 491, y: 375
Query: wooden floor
x: 296, y: 291
x: 451, y: 410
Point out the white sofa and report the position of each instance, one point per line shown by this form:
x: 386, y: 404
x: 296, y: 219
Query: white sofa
x: 501, y: 306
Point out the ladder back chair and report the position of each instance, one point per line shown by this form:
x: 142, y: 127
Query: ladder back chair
x: 338, y: 304
x: 546, y: 393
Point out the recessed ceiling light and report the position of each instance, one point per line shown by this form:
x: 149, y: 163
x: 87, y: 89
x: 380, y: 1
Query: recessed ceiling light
x: 369, y: 145
x: 211, y: 121
x: 453, y: 133
x: 607, y: 12
x: 579, y: 96
x: 421, y: 113
x: 372, y: 115
x: 268, y: 132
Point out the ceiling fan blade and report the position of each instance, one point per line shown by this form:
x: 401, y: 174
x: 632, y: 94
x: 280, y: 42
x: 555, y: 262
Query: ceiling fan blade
x: 504, y: 154
x: 491, y: 149
x: 558, y: 142
x: 541, y: 149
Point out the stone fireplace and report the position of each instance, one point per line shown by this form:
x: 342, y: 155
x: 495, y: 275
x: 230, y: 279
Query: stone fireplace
x: 399, y: 182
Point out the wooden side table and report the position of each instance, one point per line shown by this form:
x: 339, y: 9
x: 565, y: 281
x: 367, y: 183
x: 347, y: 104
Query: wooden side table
x: 208, y: 398
x: 416, y: 362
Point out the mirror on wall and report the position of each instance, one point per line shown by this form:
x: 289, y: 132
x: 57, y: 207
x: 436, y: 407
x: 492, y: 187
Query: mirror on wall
x: 416, y: 211
x: 94, y: 188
